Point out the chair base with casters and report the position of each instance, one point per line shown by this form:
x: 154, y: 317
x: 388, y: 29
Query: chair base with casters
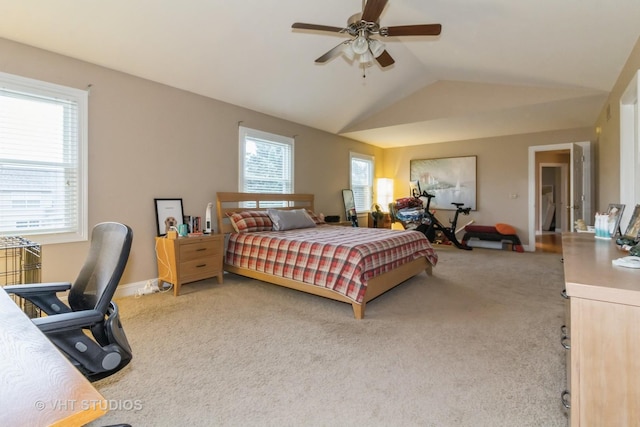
x: 88, y: 330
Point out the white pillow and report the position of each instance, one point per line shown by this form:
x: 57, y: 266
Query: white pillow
x: 290, y: 219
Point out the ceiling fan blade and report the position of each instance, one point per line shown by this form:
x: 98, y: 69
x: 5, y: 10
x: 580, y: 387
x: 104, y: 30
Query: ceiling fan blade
x: 331, y: 54
x: 303, y: 26
x: 385, y: 59
x: 373, y: 9
x: 412, y: 30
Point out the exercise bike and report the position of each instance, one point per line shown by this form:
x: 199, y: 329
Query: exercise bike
x: 428, y: 223
x: 431, y: 225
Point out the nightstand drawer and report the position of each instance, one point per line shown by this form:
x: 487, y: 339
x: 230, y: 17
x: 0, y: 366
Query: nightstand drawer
x: 199, y: 250
x: 198, y: 269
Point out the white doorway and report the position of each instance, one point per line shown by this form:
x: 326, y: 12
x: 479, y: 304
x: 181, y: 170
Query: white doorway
x: 578, y: 202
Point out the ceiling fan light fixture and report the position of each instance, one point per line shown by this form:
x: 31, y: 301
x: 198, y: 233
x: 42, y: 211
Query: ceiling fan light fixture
x: 348, y: 51
x: 361, y: 44
x: 366, y: 57
x: 376, y: 47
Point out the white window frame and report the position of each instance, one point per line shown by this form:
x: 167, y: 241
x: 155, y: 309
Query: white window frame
x: 246, y: 133
x: 80, y: 97
x: 371, y: 160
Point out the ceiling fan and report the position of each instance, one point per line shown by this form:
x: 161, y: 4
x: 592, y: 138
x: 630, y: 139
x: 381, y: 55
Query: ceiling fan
x: 361, y: 27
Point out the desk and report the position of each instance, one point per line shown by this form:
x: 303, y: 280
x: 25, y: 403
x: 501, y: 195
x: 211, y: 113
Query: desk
x: 38, y: 385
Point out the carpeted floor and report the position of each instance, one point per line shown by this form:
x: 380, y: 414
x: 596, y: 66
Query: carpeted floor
x: 476, y: 344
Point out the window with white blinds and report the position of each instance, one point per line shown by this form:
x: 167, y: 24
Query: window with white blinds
x: 362, y: 181
x: 43, y: 136
x: 266, y: 162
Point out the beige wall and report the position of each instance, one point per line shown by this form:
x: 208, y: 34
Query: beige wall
x: 502, y: 171
x: 147, y: 140
x: 608, y: 147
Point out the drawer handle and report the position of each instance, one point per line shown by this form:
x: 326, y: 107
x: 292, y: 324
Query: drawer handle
x: 566, y: 399
x: 201, y: 265
x: 201, y: 249
x: 564, y: 294
x: 566, y: 342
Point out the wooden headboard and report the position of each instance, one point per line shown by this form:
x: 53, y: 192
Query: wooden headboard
x: 237, y: 202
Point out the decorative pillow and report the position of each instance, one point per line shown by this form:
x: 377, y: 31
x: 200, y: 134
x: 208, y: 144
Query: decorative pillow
x: 505, y: 229
x: 283, y: 219
x: 315, y: 217
x: 250, y: 221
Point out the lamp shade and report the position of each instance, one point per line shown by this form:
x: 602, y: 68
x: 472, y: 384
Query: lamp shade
x: 376, y: 47
x: 384, y: 192
x: 348, y: 51
x: 360, y: 45
x: 366, y: 57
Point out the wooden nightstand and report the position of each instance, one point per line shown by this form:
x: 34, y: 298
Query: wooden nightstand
x: 189, y: 259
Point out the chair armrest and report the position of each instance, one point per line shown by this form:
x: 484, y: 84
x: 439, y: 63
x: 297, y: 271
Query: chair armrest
x: 43, y: 295
x: 65, y: 321
x: 37, y: 288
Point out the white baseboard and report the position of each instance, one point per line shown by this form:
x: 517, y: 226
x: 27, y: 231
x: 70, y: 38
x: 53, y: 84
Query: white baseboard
x: 130, y: 289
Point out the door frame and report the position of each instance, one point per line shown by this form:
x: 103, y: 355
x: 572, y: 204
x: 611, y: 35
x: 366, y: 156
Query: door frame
x: 533, y: 203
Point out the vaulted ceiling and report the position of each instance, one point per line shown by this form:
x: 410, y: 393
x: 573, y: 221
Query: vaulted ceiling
x: 499, y: 67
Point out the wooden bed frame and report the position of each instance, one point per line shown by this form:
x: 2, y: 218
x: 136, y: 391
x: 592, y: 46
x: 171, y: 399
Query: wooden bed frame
x: 236, y: 202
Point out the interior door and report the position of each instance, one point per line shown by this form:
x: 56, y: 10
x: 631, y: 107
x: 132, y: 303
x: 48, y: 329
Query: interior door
x: 575, y: 207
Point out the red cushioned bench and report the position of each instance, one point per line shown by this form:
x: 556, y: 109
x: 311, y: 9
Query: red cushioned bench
x: 503, y: 235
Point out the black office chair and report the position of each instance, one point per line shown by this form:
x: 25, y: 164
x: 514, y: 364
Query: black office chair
x: 90, y: 306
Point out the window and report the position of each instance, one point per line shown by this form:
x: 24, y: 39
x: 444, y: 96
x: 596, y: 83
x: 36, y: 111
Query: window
x: 362, y: 181
x: 43, y: 177
x: 266, y: 162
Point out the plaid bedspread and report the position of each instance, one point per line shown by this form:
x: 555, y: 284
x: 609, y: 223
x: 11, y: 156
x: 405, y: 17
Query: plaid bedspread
x: 339, y: 258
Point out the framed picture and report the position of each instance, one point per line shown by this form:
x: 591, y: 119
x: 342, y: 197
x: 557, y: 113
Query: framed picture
x: 168, y: 214
x: 414, y: 189
x: 451, y: 180
x: 633, y: 229
x: 614, y: 211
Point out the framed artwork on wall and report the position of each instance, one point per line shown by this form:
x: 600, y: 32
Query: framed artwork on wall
x: 450, y: 179
x: 168, y: 214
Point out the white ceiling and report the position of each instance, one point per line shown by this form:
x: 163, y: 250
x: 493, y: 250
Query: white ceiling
x: 500, y: 67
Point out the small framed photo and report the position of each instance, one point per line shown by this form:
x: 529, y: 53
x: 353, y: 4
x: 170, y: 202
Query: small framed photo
x: 168, y: 214
x: 633, y: 229
x: 614, y: 211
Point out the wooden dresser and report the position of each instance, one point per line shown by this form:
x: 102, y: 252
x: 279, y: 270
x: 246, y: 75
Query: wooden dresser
x: 603, y: 334
x: 189, y: 259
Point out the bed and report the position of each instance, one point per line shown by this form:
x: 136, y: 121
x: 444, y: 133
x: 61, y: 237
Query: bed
x: 348, y: 264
